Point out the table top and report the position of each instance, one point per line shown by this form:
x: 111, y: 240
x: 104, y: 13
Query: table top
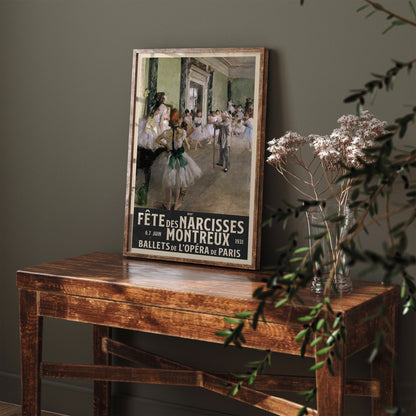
x: 176, y: 285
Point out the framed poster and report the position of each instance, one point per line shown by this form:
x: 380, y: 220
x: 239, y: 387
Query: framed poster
x: 196, y: 156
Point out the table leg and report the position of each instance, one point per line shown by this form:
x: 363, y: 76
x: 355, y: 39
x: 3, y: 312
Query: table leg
x: 30, y: 352
x: 382, y: 367
x: 330, y: 388
x: 102, y: 389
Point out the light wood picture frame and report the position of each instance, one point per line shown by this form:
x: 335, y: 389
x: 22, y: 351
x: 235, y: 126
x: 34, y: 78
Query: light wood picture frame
x: 196, y: 156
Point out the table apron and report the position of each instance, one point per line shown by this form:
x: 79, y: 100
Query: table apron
x: 166, y: 321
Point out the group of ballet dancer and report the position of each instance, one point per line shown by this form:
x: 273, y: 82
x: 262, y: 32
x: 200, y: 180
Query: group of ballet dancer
x: 198, y: 131
x: 171, y: 132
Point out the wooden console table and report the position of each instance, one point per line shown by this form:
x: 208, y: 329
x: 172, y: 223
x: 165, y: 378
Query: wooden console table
x: 188, y: 301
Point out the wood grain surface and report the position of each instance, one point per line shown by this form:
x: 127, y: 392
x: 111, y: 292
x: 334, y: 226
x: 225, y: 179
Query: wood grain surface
x: 10, y: 409
x: 190, y: 301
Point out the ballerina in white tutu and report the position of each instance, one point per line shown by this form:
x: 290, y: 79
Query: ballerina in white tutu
x: 240, y: 112
x: 181, y: 170
x: 248, y: 132
x: 230, y: 107
x: 154, y: 125
x: 197, y: 135
x: 210, y: 127
x: 239, y: 128
x: 149, y: 129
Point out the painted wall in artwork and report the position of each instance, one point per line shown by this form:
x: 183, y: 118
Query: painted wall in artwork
x: 241, y: 88
x: 146, y: 71
x: 219, y: 91
x: 168, y: 80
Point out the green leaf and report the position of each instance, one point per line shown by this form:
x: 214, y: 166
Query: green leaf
x: 388, y: 29
x: 362, y: 8
x: 232, y: 320
x: 301, y: 334
x: 373, y: 355
x: 324, y: 350
x: 394, y: 24
x: 411, y: 194
x: 268, y: 222
x: 328, y: 305
x: 281, y: 302
x: 396, y: 411
x: 305, y: 344
x: 289, y: 276
x: 403, y: 290
x: 373, y: 95
x: 336, y: 322
x: 354, y: 97
x: 243, y: 315
x: 410, y: 284
x: 317, y: 366
x: 317, y: 236
x: 332, y: 337
x: 228, y: 340
x: 353, y: 228
x: 370, y: 14
x: 253, y: 363
x: 316, y: 341
x: 303, y: 411
x: 320, y: 324
x: 330, y: 368
x: 252, y: 377
x: 299, y: 299
x: 338, y: 219
x: 403, y: 129
x: 380, y: 337
x: 224, y: 333
x: 235, y: 389
x: 316, y: 309
x: 295, y: 259
x: 241, y: 376
x: 391, y: 127
x: 304, y: 249
x: 398, y: 63
x: 397, y: 229
x: 285, y: 221
x: 305, y: 318
x: 329, y: 217
x: 410, y: 304
x: 378, y: 6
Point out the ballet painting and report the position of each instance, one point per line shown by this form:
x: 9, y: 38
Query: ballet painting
x: 196, y: 152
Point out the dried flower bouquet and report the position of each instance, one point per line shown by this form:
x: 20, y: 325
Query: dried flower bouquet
x: 316, y: 180
x: 345, y: 147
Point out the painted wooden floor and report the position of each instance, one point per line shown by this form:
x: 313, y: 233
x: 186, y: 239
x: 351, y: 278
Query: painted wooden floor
x: 8, y: 409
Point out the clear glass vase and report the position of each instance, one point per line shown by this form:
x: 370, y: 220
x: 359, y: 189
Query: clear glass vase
x: 333, y: 261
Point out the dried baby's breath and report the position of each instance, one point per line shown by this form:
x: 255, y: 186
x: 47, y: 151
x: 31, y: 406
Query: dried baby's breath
x: 345, y: 147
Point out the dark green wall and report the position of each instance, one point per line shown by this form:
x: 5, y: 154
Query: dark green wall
x: 241, y: 88
x: 64, y: 115
x: 219, y: 91
x: 169, y: 79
